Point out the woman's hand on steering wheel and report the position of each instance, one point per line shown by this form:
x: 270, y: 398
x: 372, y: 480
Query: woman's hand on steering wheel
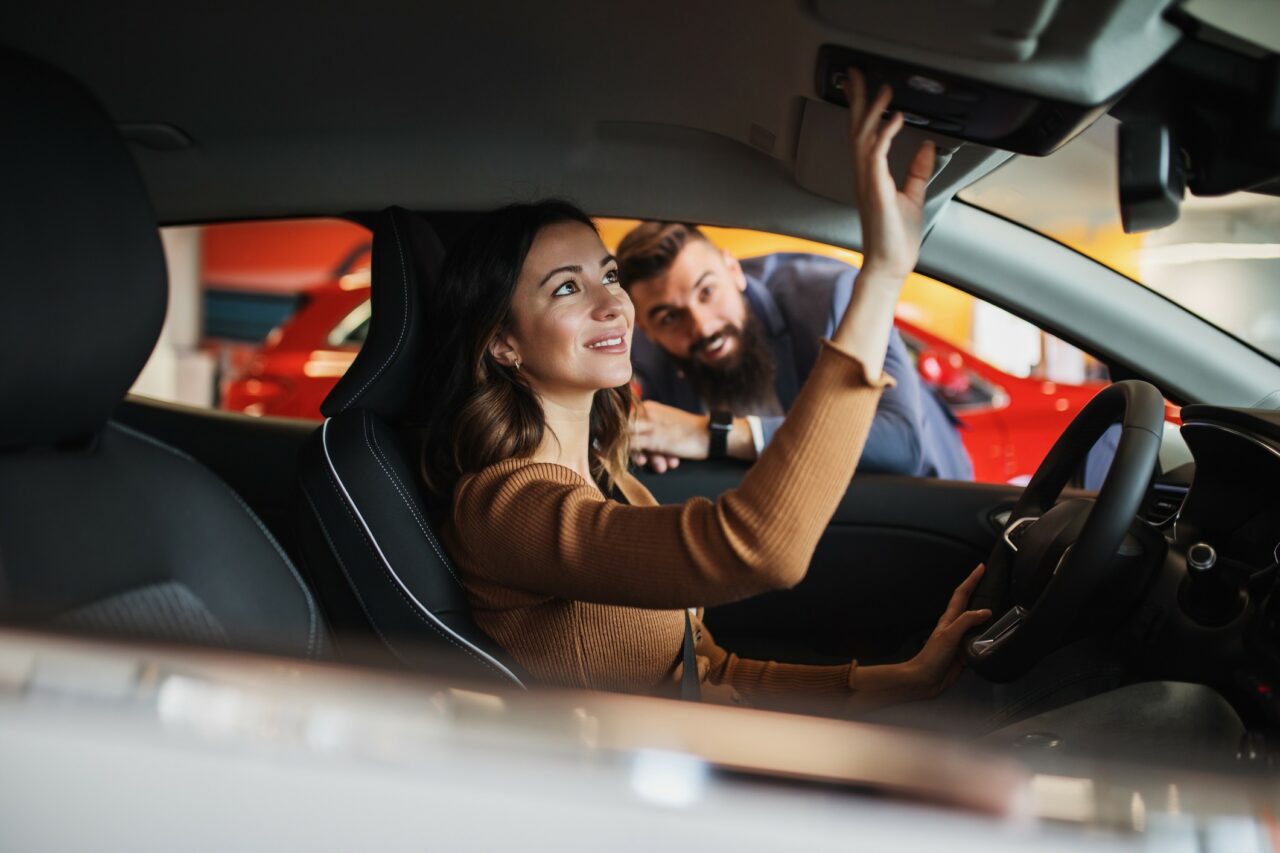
x: 938, y: 664
x: 931, y: 671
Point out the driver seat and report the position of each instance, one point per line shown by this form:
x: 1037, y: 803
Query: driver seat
x: 368, y: 532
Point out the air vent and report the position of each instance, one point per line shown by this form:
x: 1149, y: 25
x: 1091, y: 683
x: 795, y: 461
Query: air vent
x: 1163, y: 503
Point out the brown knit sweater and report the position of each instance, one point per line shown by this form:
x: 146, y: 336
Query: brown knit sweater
x: 587, y: 592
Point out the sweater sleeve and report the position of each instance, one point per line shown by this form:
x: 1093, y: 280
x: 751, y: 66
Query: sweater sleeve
x: 541, y: 528
x: 762, y: 681
x: 769, y: 683
x: 893, y: 443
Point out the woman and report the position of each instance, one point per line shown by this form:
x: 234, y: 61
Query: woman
x: 568, y: 561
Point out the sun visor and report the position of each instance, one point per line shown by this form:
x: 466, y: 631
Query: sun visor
x: 823, y: 164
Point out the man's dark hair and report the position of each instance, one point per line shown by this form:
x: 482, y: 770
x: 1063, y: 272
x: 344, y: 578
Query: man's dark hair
x: 650, y: 249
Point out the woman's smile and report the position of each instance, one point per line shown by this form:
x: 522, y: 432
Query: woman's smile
x: 611, y: 343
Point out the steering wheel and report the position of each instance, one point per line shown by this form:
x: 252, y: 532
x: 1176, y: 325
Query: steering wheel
x: 1053, y: 557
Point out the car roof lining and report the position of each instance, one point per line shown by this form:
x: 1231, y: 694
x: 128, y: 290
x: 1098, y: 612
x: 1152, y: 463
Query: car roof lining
x: 293, y: 111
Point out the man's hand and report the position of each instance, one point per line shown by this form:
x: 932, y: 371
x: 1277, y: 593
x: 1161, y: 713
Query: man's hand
x: 662, y: 435
x: 658, y: 463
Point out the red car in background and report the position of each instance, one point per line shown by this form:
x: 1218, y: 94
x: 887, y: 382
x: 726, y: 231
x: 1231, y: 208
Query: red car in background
x: 1008, y: 422
x: 303, y: 358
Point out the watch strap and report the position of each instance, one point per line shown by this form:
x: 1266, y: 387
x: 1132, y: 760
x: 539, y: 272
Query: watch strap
x: 719, y: 424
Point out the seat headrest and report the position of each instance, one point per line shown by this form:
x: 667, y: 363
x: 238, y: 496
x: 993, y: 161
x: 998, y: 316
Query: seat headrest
x: 384, y: 378
x: 84, y: 285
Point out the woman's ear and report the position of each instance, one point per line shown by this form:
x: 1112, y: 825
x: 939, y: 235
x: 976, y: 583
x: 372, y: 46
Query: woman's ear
x: 503, y: 349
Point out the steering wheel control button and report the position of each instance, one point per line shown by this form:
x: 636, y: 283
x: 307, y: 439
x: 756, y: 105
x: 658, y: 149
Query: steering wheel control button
x: 999, y: 631
x: 1014, y: 533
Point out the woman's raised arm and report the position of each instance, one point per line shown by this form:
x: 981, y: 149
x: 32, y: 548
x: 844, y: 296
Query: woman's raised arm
x: 541, y: 528
x: 891, y: 218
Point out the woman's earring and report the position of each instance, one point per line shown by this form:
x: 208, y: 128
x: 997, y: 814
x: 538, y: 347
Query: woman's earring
x: 517, y: 364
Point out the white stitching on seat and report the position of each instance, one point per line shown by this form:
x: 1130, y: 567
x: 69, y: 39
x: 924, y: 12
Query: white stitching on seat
x: 417, y: 611
x: 328, y: 538
x: 372, y: 542
x: 313, y: 618
x: 376, y: 449
x: 404, y: 319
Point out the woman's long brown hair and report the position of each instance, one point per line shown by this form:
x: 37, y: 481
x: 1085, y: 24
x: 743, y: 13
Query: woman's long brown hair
x: 482, y: 412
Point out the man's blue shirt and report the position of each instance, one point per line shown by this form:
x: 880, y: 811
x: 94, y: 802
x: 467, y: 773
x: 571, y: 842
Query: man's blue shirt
x: 800, y: 299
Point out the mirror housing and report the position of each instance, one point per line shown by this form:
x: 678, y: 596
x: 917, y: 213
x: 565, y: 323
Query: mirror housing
x: 1152, y: 179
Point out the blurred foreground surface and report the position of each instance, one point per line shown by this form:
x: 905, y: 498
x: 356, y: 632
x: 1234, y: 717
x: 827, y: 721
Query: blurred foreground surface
x: 115, y: 747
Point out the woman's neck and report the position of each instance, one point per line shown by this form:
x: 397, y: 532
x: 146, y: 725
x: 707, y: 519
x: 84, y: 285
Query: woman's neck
x: 567, y: 440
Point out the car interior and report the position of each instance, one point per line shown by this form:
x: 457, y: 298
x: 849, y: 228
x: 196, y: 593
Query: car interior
x: 134, y: 518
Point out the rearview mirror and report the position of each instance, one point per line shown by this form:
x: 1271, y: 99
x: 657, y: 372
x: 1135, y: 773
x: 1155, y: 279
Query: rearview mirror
x: 1152, y: 180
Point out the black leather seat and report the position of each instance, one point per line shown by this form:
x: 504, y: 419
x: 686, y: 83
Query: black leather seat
x: 368, y: 534
x: 103, y: 528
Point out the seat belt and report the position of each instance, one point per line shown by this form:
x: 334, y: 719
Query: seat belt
x: 690, y: 686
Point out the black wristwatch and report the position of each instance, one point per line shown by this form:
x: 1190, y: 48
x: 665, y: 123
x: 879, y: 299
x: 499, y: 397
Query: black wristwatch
x: 719, y: 423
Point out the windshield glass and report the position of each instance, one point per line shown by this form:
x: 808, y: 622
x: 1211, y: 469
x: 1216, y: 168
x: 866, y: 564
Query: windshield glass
x: 1220, y: 260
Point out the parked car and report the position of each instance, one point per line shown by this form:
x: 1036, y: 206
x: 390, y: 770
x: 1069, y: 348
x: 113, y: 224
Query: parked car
x: 304, y: 357
x: 1008, y: 422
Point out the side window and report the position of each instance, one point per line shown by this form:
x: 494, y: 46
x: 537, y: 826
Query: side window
x: 1009, y: 386
x: 264, y: 317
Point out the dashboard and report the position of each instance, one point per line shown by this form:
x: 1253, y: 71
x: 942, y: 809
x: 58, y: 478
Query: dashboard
x: 1234, y: 501
x: 1226, y: 536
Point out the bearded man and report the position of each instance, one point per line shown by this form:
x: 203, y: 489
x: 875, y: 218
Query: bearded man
x: 724, y: 345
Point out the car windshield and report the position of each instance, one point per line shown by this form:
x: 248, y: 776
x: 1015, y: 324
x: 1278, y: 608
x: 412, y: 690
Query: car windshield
x: 1220, y: 260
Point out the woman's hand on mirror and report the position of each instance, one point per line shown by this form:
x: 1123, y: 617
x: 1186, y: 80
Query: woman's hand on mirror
x: 892, y: 219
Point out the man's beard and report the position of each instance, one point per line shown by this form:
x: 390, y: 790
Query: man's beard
x: 743, y: 382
